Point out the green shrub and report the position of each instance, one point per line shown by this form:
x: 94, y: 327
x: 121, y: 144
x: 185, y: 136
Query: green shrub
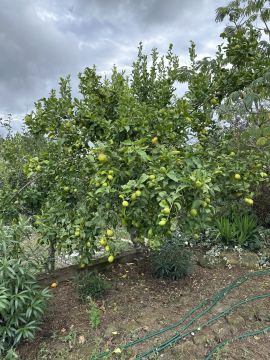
x: 22, y: 303
x: 239, y: 229
x: 171, y: 261
x: 91, y: 286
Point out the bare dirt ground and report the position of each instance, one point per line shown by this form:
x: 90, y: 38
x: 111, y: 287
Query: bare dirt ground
x: 138, y: 304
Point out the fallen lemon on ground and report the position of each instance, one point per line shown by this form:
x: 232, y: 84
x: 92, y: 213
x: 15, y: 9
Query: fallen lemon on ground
x: 117, y: 351
x: 53, y: 285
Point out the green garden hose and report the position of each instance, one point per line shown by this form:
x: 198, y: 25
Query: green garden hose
x: 178, y: 335
x: 239, y: 337
x: 208, y: 305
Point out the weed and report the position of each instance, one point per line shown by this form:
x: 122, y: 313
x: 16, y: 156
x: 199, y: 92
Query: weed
x: 94, y: 315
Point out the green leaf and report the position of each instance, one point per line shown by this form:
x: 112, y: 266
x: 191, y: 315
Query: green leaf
x: 173, y: 176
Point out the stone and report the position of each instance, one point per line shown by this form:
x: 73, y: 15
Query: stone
x: 246, y: 259
x: 209, y: 263
x: 230, y: 258
x: 222, y: 331
x: 250, y: 260
x: 183, y: 351
x: 204, y: 337
x: 235, y: 320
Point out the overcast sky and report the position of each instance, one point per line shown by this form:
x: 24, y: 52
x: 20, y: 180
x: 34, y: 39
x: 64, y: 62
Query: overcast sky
x: 41, y: 40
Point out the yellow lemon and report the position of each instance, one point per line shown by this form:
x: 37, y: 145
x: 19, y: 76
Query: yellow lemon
x: 249, y: 201
x: 162, y: 222
x: 102, y: 157
x: 154, y: 141
x: 103, y: 242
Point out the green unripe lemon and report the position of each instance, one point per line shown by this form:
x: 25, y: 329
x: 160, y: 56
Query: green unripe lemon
x: 163, y: 170
x: 162, y: 222
x: 198, y: 184
x: 109, y: 232
x: 193, y: 212
x: 103, y: 242
x: 166, y: 210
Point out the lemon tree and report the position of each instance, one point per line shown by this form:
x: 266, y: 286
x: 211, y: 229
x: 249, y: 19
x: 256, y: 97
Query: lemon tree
x: 130, y: 152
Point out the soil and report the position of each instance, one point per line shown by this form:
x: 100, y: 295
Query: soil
x: 138, y: 304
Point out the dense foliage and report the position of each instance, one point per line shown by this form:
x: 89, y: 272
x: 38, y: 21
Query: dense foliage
x: 22, y: 301
x: 128, y: 151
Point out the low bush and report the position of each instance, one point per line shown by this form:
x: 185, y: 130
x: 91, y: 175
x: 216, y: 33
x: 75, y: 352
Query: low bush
x: 22, y: 301
x: 171, y: 261
x: 91, y: 286
x: 240, y: 230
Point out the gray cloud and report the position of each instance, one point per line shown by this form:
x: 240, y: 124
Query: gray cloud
x: 43, y: 40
